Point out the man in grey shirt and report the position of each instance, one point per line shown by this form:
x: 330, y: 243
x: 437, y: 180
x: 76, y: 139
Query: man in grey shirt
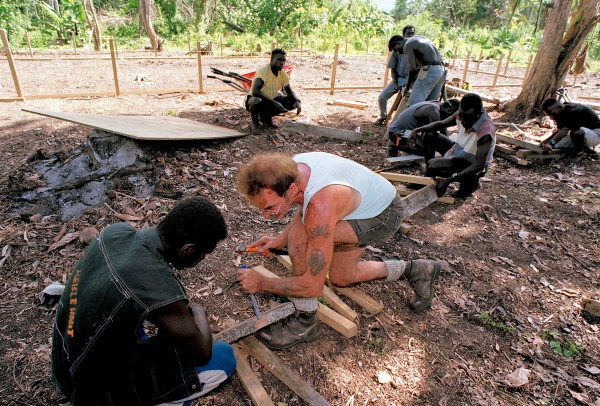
x: 399, y: 68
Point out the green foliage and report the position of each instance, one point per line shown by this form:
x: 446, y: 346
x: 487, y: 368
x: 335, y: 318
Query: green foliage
x: 486, y: 319
x: 566, y: 348
x: 64, y: 22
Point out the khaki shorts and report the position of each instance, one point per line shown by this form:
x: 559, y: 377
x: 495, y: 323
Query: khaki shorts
x: 380, y: 228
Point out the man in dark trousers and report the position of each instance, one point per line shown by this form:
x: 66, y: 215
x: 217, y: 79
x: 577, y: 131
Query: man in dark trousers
x: 416, y: 116
x: 465, y: 160
x: 426, y: 72
x: 102, y: 351
x: 264, y: 100
x: 577, y: 127
x: 399, y: 70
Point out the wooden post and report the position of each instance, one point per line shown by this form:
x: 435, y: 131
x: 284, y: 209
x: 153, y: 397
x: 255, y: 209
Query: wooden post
x: 114, y: 66
x: 11, y: 62
x: 28, y: 44
x: 467, y: 60
x: 116, y: 46
x: 200, y: 83
x: 221, y: 44
x: 301, y: 44
x: 454, y: 52
x: 189, y: 43
x: 386, y: 74
x: 479, y: 61
x: 528, y: 66
x: 507, y: 62
x: 497, y: 71
x: 74, y: 44
x: 334, y: 68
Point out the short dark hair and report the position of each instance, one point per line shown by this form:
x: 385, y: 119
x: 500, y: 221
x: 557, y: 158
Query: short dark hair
x: 195, y: 220
x: 277, y: 51
x: 393, y: 40
x: 450, y: 104
x: 551, y: 101
x: 471, y: 101
x: 408, y: 27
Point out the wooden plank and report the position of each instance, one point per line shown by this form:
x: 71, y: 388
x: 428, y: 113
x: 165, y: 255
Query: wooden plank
x: 250, y: 326
x: 488, y: 99
x: 330, y: 297
x: 344, y: 88
x: 402, y: 191
x: 401, y: 177
x: 362, y: 299
x: 418, y: 200
x: 514, y: 159
x: 114, y: 66
x: 283, y: 372
x: 334, y: 320
x: 329, y: 132
x: 405, y: 159
x: 520, y: 143
x: 146, y: 127
x: 347, y: 103
x: 250, y: 381
x: 527, y: 154
x: 505, y: 150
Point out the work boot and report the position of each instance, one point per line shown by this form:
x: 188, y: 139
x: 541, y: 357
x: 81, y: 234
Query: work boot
x: 422, y: 274
x: 297, y: 328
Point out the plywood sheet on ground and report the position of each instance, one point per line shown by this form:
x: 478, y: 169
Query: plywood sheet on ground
x: 153, y: 128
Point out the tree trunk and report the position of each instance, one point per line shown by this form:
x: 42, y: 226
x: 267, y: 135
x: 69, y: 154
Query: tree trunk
x: 146, y: 15
x: 92, y: 20
x: 555, y: 55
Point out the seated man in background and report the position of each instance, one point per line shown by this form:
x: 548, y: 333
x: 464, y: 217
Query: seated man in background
x: 416, y: 116
x: 264, y: 100
x: 399, y: 70
x: 101, y: 354
x: 465, y: 160
x: 577, y: 127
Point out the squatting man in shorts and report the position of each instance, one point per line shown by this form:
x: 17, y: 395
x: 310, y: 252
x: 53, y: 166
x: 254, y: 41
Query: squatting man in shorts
x: 578, y: 127
x: 264, y: 100
x: 343, y: 207
x: 102, y: 354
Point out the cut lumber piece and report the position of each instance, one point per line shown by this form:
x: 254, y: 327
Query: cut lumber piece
x: 400, y: 177
x: 252, y: 325
x: 283, y: 372
x: 520, y: 143
x: 362, y: 299
x: 329, y: 132
x: 403, y: 160
x: 330, y: 297
x: 347, y: 103
x: 404, y: 228
x: 418, y: 200
x: 250, y: 381
x: 334, y: 320
x: 505, y: 150
x: 513, y: 158
x: 527, y: 154
x: 402, y: 191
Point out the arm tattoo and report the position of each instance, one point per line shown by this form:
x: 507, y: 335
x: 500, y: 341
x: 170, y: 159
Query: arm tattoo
x: 316, y: 262
x: 318, y: 231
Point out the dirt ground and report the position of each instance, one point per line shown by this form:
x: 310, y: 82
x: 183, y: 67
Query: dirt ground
x: 520, y: 255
